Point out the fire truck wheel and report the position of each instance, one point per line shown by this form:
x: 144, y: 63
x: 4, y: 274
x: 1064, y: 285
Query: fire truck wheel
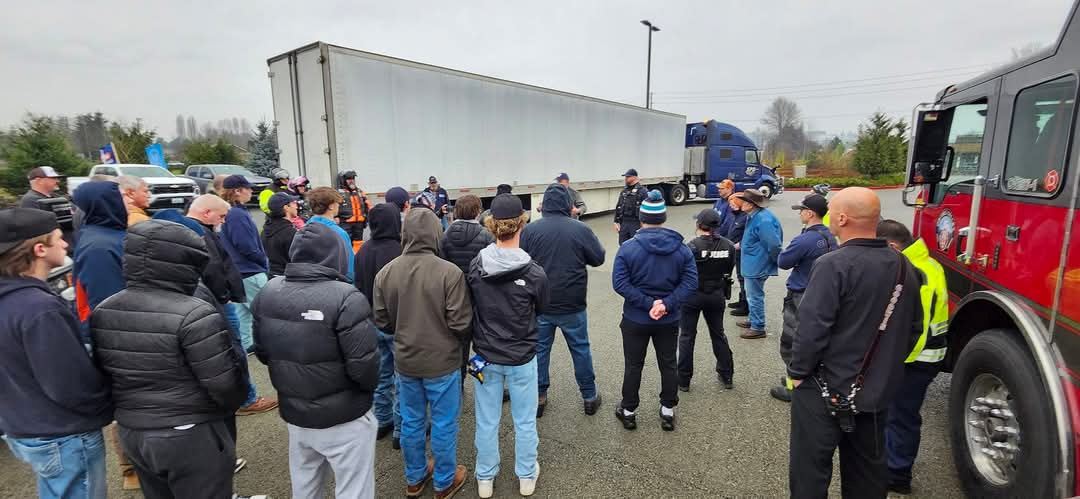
x: 1001, y: 420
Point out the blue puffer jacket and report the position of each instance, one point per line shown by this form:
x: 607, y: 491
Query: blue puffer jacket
x: 241, y: 240
x: 760, y: 244
x: 654, y: 265
x: 98, y: 269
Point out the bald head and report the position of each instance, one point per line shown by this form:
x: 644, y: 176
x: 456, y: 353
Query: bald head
x: 209, y: 209
x: 854, y: 213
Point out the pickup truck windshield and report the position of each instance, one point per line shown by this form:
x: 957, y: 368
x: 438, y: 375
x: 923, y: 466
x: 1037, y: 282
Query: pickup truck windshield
x: 145, y: 171
x: 230, y: 170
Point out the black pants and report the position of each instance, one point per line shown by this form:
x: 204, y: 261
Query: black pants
x: 791, y: 324
x: 815, y: 435
x: 742, y: 283
x: 627, y: 229
x: 711, y: 305
x: 355, y: 230
x: 635, y: 346
x: 197, y: 462
x: 904, y: 428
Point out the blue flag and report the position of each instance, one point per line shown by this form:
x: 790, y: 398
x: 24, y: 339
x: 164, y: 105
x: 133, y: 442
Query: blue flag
x: 155, y: 155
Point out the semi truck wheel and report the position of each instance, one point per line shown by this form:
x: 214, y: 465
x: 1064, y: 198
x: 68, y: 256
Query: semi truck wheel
x: 677, y: 194
x: 1001, y: 420
x: 767, y: 190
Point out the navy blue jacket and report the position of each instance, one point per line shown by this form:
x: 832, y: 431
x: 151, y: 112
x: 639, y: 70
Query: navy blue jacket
x: 441, y: 199
x: 654, y: 265
x: 801, y: 253
x: 563, y: 247
x: 99, y: 250
x: 727, y: 217
x: 48, y: 383
x: 737, y: 227
x: 241, y: 240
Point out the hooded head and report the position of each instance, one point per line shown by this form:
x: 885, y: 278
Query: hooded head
x: 101, y: 204
x: 557, y: 200
x: 164, y: 255
x: 421, y: 232
x: 384, y: 220
x: 317, y: 244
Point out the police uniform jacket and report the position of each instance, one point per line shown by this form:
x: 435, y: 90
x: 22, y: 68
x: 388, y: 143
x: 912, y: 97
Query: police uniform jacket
x: 630, y: 200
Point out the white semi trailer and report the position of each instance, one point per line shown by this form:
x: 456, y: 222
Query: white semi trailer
x: 396, y: 122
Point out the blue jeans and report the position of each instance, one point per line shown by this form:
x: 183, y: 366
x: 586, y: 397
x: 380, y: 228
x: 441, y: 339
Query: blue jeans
x: 904, y: 424
x: 386, y: 408
x: 252, y: 286
x: 575, y: 328
x: 755, y: 297
x: 71, y: 467
x: 521, y: 382
x: 443, y: 396
x: 234, y: 323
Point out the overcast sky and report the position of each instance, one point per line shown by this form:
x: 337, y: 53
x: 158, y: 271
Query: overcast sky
x: 722, y: 59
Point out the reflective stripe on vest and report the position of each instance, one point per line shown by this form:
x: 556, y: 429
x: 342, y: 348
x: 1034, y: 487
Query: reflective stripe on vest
x: 934, y: 355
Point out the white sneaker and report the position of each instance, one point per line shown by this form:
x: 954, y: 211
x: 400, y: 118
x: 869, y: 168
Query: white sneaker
x: 528, y: 485
x: 485, y: 488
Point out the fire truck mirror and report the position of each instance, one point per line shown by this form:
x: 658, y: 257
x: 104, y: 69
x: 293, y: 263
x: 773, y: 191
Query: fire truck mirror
x: 931, y: 158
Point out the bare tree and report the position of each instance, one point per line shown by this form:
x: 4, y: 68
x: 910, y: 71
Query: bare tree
x: 783, y: 121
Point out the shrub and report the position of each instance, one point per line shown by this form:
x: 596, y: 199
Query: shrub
x: 838, y: 182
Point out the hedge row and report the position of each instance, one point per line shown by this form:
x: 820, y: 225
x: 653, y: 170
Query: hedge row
x: 837, y: 182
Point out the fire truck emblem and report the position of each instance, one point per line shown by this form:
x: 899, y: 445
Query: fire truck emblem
x: 1050, y: 182
x: 945, y: 230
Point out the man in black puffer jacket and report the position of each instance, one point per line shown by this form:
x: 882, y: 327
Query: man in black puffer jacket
x: 175, y: 376
x: 314, y: 331
x: 564, y: 247
x: 465, y: 237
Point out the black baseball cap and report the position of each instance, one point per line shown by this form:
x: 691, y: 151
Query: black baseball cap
x: 19, y: 224
x: 563, y: 176
x: 432, y: 179
x: 815, y: 203
x: 43, y: 172
x: 278, y: 202
x: 236, y: 182
x: 708, y: 218
x: 506, y: 206
x: 630, y: 173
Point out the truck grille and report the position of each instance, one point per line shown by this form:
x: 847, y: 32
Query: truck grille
x: 173, y: 189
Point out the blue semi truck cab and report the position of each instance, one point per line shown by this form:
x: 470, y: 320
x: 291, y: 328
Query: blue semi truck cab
x: 716, y: 151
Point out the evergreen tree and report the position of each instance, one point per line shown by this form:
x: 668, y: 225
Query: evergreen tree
x: 37, y: 142
x: 263, y: 159
x: 882, y: 146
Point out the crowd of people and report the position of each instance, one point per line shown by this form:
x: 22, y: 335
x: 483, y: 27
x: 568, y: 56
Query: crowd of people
x: 371, y: 318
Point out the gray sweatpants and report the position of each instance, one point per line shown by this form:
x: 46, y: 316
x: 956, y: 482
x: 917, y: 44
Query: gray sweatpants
x: 348, y: 449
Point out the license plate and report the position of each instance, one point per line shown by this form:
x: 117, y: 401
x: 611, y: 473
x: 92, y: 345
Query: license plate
x: 177, y: 200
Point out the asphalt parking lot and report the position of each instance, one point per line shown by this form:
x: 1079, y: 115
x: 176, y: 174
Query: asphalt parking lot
x: 727, y: 443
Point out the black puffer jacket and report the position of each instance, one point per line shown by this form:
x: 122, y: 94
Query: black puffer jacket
x: 277, y: 237
x: 168, y: 354
x: 462, y: 241
x: 315, y: 333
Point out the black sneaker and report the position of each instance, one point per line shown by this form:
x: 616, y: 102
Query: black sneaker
x: 736, y: 304
x: 684, y: 388
x: 396, y: 443
x: 780, y: 393
x: 900, y: 488
x: 384, y: 431
x: 740, y: 312
x: 591, y: 406
x: 541, y: 404
x: 629, y: 422
x: 506, y: 395
x: 728, y: 383
x: 667, y: 423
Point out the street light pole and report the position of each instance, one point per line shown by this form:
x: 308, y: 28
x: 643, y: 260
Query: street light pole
x: 648, y: 64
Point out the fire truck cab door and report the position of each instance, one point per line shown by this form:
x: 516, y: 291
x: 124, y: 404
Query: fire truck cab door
x: 1028, y: 199
x: 958, y: 136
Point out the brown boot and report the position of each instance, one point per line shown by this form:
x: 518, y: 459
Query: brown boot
x: 459, y: 481
x: 131, y: 480
x: 260, y: 405
x: 416, y: 490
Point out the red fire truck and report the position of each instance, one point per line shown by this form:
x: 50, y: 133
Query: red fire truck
x: 994, y: 173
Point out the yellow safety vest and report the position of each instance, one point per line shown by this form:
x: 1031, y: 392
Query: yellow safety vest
x: 264, y: 200
x: 825, y: 220
x: 932, y: 343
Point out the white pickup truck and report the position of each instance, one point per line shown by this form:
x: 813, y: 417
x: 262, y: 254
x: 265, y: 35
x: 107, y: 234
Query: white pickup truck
x: 166, y: 190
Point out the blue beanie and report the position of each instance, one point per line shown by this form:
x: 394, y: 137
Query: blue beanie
x: 653, y: 211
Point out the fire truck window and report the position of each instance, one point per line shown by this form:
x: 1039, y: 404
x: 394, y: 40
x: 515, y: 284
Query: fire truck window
x: 966, y: 138
x: 1042, y: 118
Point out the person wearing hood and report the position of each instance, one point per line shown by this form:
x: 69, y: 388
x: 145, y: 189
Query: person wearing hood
x: 278, y: 231
x: 655, y: 273
x: 564, y: 247
x: 176, y: 377
x: 760, y: 249
x: 54, y: 396
x: 98, y: 270
x: 383, y: 245
x: 423, y: 301
x: 314, y: 331
x: 509, y: 289
x: 714, y: 256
